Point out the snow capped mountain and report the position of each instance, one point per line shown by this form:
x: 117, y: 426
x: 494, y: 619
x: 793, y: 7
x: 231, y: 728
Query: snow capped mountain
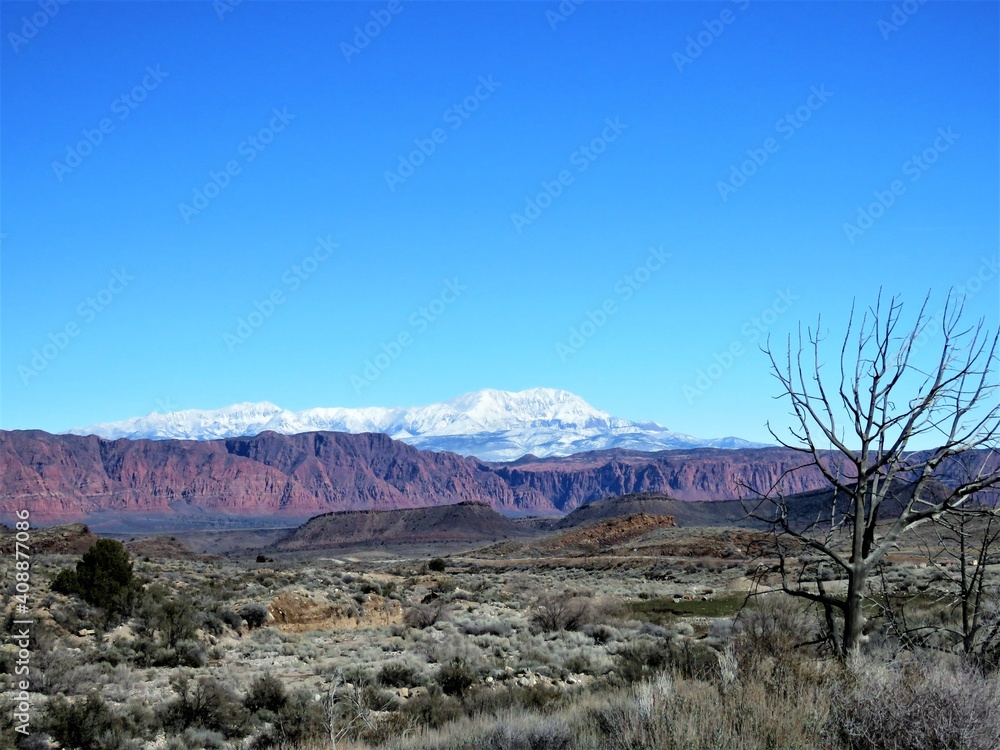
x: 190, y: 424
x: 489, y: 424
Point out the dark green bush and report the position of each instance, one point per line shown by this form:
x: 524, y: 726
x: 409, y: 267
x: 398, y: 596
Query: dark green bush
x: 255, y: 615
x: 266, y: 693
x: 437, y: 565
x: 456, y: 677
x: 230, y: 618
x: 87, y: 724
x: 398, y: 675
x: 299, y: 721
x: 103, y: 578
x: 66, y: 582
x: 206, y: 704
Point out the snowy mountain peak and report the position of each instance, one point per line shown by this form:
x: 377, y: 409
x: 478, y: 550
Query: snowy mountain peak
x: 489, y: 424
x: 190, y: 424
x: 500, y: 409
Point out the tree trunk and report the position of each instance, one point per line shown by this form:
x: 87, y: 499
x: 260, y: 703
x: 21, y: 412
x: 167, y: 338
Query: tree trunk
x: 968, y: 635
x: 854, y: 614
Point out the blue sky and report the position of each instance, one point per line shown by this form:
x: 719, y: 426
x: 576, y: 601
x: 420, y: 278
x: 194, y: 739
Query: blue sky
x: 200, y: 210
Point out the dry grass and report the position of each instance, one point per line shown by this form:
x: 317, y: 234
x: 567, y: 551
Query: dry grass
x: 598, y: 654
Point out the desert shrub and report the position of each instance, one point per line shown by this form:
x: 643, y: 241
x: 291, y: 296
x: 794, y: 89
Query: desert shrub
x: 432, y: 709
x: 384, y: 728
x: 638, y: 721
x: 213, y: 617
x: 190, y: 653
x: 486, y: 700
x: 172, y: 617
x: 498, y: 628
x: 196, y: 739
x: 266, y: 693
x: 916, y: 707
x: 230, y: 618
x: 509, y: 731
x: 437, y: 565
x: 641, y: 658
x: 87, y: 724
x: 456, y: 677
x: 399, y: 674
x: 774, y: 627
x: 150, y: 651
x: 600, y: 633
x: 579, y: 663
x: 298, y: 721
x: 255, y: 615
x: 649, y: 628
x: 529, y: 733
x: 65, y: 582
x: 31, y: 742
x: 74, y: 615
x: 206, y: 704
x: 422, y: 616
x: 103, y: 578
x: 673, y: 712
x: 561, y: 611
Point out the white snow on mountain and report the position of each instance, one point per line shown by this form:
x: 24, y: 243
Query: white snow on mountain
x: 489, y: 424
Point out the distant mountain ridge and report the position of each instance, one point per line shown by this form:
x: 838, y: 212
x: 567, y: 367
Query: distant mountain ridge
x: 292, y: 477
x: 289, y: 477
x: 489, y: 424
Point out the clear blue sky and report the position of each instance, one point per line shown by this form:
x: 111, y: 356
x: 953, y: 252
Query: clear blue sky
x: 863, y: 99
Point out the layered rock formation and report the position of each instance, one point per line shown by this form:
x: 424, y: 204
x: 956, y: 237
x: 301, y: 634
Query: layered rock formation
x: 68, y: 477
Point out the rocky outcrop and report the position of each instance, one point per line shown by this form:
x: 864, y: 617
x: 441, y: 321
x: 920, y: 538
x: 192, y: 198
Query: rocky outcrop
x: 705, y: 474
x: 464, y: 522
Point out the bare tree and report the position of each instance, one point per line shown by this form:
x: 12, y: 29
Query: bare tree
x: 346, y: 705
x: 863, y: 438
x: 970, y: 542
x: 961, y: 549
